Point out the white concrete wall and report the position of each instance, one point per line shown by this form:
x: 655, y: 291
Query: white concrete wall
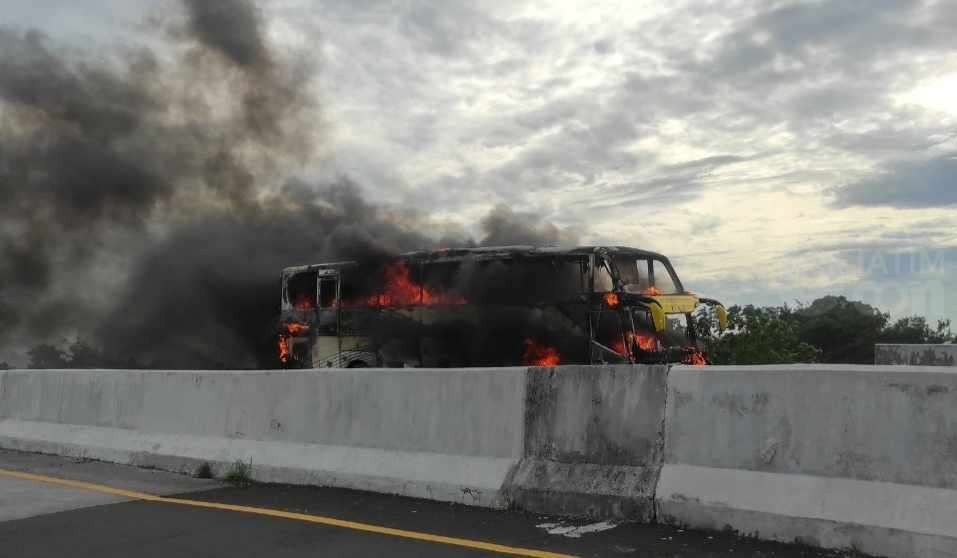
x: 443, y: 434
x: 838, y: 456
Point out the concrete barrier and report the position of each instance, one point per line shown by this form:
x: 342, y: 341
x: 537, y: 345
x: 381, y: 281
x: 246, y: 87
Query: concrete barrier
x: 594, y: 437
x: 856, y: 457
x: 916, y: 355
x: 451, y: 435
x: 572, y: 440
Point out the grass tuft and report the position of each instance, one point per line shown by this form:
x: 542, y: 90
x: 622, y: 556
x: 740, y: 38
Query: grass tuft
x: 239, y: 474
x: 204, y: 471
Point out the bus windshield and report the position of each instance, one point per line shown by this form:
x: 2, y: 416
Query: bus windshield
x: 648, y: 276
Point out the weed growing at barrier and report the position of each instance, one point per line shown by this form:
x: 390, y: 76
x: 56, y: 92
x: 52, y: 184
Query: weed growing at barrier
x: 239, y: 474
x: 204, y: 471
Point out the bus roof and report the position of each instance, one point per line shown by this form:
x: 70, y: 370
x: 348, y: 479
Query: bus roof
x: 492, y: 252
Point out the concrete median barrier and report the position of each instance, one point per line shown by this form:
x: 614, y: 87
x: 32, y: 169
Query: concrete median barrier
x: 568, y: 440
x: 857, y: 457
x: 594, y: 437
x: 860, y: 457
x: 451, y: 435
x: 916, y: 355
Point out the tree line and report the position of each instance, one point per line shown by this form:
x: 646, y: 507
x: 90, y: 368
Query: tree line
x: 831, y: 329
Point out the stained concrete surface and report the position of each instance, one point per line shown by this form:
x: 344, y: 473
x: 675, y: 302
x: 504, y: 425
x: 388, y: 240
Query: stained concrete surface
x: 23, y: 498
x: 593, y: 441
x: 86, y: 525
x: 836, y: 455
x: 20, y: 499
x: 916, y: 355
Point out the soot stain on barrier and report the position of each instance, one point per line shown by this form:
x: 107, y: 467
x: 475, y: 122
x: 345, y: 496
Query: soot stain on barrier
x: 540, y: 395
x: 937, y: 389
x: 854, y: 465
x: 596, y: 442
x: 919, y: 392
x: 681, y: 399
x: 742, y: 405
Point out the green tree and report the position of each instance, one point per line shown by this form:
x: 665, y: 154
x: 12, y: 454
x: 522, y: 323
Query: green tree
x: 46, y: 356
x: 755, y: 335
x: 831, y: 329
x: 845, y: 331
x: 915, y: 329
x: 83, y: 355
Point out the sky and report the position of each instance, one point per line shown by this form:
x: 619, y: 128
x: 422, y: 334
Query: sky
x: 776, y: 151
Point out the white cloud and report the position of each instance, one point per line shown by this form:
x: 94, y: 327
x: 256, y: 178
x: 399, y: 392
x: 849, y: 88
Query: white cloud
x: 936, y: 93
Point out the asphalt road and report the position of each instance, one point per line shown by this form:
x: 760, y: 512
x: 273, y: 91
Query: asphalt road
x: 56, y: 507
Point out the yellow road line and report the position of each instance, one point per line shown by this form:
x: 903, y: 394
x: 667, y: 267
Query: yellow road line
x: 323, y: 520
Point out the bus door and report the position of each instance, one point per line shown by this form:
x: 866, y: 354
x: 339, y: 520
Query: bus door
x: 327, y: 346
x: 609, y: 344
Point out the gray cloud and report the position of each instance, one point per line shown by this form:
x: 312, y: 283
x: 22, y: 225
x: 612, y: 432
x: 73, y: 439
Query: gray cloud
x: 503, y: 226
x: 467, y: 105
x: 827, y: 35
x: 230, y: 27
x: 930, y: 183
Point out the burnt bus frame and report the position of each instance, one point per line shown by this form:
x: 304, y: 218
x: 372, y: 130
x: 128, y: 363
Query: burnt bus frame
x: 591, y: 257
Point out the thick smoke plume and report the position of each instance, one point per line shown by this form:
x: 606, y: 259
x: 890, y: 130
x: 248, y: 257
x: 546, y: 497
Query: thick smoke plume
x: 150, y: 195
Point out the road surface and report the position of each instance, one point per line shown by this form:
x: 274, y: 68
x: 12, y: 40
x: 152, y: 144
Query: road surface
x: 51, y: 507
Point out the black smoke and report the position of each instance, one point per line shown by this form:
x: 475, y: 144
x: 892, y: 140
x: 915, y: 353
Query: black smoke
x: 150, y: 196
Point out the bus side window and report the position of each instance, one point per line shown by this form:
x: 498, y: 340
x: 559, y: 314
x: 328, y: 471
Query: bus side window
x: 301, y: 291
x: 328, y: 295
x: 603, y: 280
x: 439, y: 277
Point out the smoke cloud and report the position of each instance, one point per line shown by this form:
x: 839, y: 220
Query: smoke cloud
x: 151, y: 199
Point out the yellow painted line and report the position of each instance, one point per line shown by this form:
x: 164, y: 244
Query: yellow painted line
x: 322, y: 520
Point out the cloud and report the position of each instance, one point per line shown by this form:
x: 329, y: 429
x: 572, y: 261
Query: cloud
x: 773, y: 116
x: 911, y: 184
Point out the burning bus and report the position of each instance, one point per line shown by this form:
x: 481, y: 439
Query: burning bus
x: 515, y: 305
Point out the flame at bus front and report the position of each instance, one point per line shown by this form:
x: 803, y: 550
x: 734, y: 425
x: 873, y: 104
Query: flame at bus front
x: 540, y: 355
x: 694, y: 357
x: 646, y: 342
x: 400, y: 290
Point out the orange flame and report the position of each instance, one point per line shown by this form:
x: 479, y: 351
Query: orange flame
x: 647, y: 341
x: 540, y: 355
x: 290, y: 329
x: 283, y: 349
x: 304, y: 302
x: 296, y: 328
x: 652, y: 291
x: 694, y: 357
x: 611, y: 299
x: 401, y: 290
